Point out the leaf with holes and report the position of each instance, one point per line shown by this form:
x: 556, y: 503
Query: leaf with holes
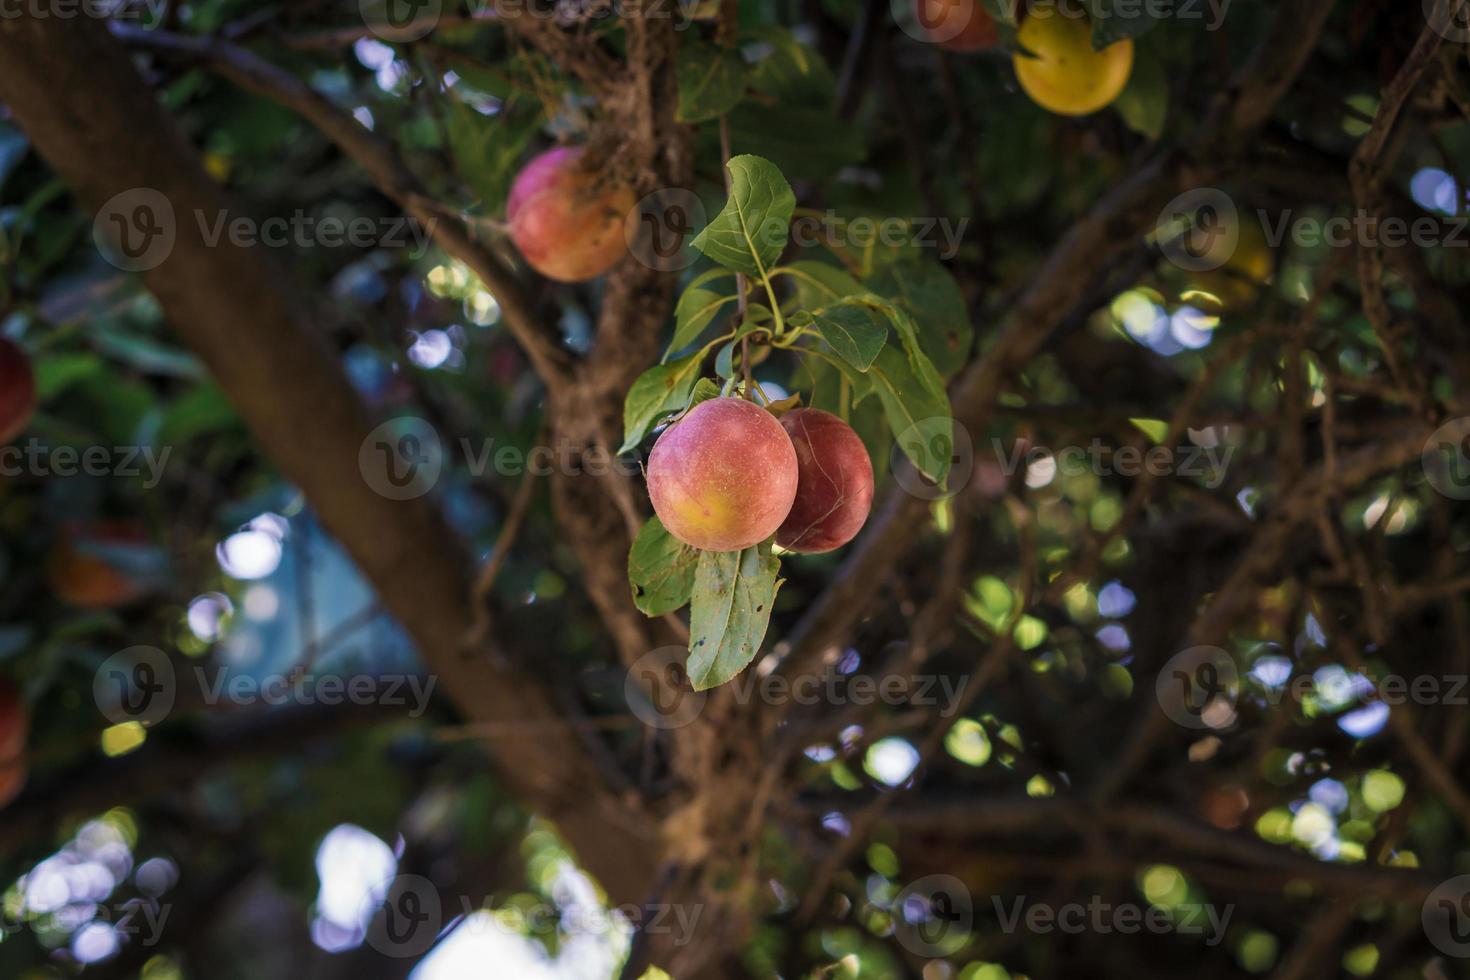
x: 660, y: 569
x: 730, y: 612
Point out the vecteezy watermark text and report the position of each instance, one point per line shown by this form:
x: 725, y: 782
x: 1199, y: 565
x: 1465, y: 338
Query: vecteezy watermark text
x: 1205, y: 462
x: 1103, y: 918
x: 138, y: 229
x: 140, y: 684
x: 658, y: 691
x: 95, y: 9
x: 834, y: 231
x: 407, y: 915
x: 1212, y: 12
x: 36, y: 458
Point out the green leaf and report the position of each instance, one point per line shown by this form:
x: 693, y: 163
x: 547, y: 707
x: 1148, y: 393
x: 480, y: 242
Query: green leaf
x: 930, y: 295
x: 696, y: 310
x: 486, y: 149
x: 1144, y: 104
x: 1003, y: 10
x: 805, y: 142
x: 203, y: 410
x: 148, y: 355
x: 662, y: 389
x: 791, y: 72
x: 704, y: 390
x: 1115, y: 20
x: 751, y: 232
x: 855, y: 331
x: 916, y: 412
x: 785, y: 43
x: 730, y: 612
x: 57, y: 372
x: 756, y: 316
x: 1155, y: 429
x: 821, y: 284
x: 660, y: 569
x: 712, y: 80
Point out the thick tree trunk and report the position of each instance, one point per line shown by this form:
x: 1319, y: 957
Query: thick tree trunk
x: 73, y: 90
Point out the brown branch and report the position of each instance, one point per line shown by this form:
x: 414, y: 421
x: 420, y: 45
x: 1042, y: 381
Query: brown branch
x: 1261, y: 556
x: 1113, y: 225
x: 381, y: 161
x: 77, y: 95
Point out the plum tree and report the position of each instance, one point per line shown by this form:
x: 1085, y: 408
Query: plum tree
x: 834, y: 489
x: 15, y: 725
x: 957, y: 25
x: 1067, y: 76
x: 567, y: 226
x: 723, y: 477
x: 88, y: 580
x: 17, y: 390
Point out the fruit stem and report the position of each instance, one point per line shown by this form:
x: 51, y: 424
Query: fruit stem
x: 740, y: 286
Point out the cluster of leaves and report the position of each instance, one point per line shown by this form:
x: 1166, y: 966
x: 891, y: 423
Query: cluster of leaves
x: 861, y: 332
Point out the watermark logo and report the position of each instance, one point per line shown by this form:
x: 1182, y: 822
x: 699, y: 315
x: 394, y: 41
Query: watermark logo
x: 135, y: 685
x: 658, y: 691
x: 658, y: 229
x: 1199, y: 230
x: 405, y: 458
x: 1446, y: 917
x: 1450, y: 20
x: 402, y: 459
x: 400, y: 21
x: 1446, y: 459
x: 409, y: 920
x: 1198, y: 688
x: 934, y: 21
x: 136, y: 230
x: 927, y: 444
x: 932, y: 915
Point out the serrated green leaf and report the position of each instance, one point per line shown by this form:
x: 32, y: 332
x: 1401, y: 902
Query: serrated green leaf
x: 751, y: 232
x: 856, y: 332
x: 660, y: 569
x: 662, y: 389
x: 712, y: 80
x: 730, y: 612
x: 930, y: 295
x: 916, y: 411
